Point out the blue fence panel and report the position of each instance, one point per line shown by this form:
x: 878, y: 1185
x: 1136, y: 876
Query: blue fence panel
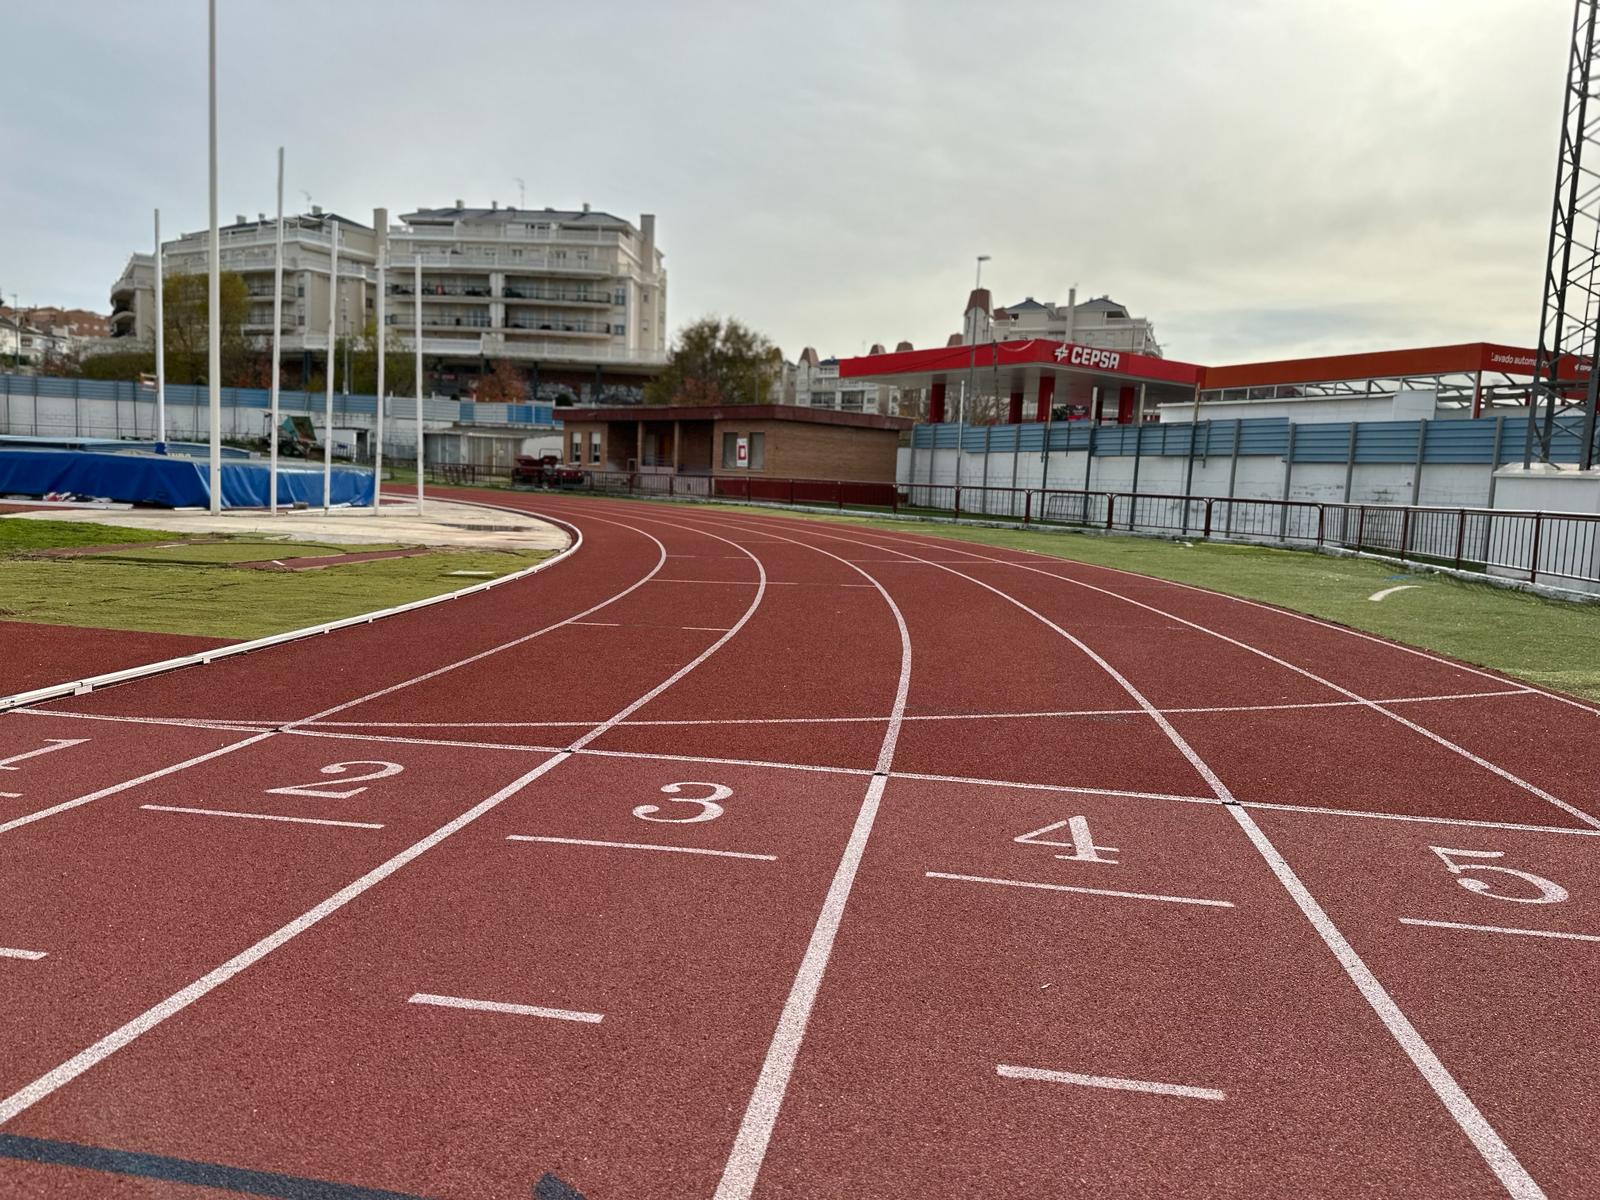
x: 1459, y: 441
x: 1322, y: 443
x: 1264, y: 435
x: 1386, y: 441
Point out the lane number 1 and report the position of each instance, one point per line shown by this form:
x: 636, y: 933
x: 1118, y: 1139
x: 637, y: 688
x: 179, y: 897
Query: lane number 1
x: 1468, y: 875
x: 1082, y: 843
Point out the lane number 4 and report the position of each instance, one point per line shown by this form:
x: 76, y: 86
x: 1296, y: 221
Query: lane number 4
x: 1470, y: 876
x: 710, y: 810
x: 1082, y: 843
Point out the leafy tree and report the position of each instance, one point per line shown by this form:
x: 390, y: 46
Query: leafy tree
x: 503, y: 385
x: 399, y: 363
x: 716, y: 361
x: 120, y: 364
x: 185, y: 298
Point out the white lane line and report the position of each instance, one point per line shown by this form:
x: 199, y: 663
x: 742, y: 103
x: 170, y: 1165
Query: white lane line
x: 1040, y: 1075
x: 51, y: 1081
x: 749, y: 1148
x: 729, y: 582
x: 1513, y: 1176
x: 223, y: 812
x: 661, y: 560
x: 500, y: 1006
x: 30, y: 955
x: 58, y: 1077
x: 1387, y: 592
x: 1088, y: 891
x: 565, y: 841
x: 54, y: 745
x: 10, y: 795
x: 1548, y: 933
x: 1383, y: 816
x: 225, y: 726
x: 976, y: 781
x: 606, y: 624
x: 41, y: 814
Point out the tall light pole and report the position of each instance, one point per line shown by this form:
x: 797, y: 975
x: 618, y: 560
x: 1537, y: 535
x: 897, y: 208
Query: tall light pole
x: 972, y: 367
x: 416, y: 309
x: 161, y: 352
x: 381, y: 225
x: 327, y: 416
x: 214, y: 305
x: 16, y: 321
x: 277, y: 348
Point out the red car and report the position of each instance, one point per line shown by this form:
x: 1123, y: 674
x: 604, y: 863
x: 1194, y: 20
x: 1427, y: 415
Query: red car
x: 546, y: 472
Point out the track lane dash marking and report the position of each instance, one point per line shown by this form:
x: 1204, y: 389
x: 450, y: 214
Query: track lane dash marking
x: 1549, y: 933
x: 224, y: 812
x: 566, y: 841
x: 501, y: 1006
x: 30, y: 955
x: 1088, y: 891
x: 1040, y: 1075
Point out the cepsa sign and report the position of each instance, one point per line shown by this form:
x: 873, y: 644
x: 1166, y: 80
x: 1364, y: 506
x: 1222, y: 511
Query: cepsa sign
x: 1084, y: 356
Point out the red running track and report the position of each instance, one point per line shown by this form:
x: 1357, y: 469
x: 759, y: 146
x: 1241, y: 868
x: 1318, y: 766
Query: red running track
x: 740, y: 855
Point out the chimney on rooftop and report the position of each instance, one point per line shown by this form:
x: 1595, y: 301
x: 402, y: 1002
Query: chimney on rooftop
x: 316, y: 210
x: 461, y: 203
x: 238, y: 218
x: 494, y: 206
x: 585, y: 206
x: 262, y: 217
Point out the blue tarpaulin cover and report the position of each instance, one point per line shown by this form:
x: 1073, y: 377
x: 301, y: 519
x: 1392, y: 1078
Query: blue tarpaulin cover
x: 172, y: 482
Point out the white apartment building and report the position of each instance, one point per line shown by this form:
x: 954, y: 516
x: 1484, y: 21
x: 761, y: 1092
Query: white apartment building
x: 23, y: 345
x: 1101, y: 322
x: 813, y: 382
x: 576, y: 300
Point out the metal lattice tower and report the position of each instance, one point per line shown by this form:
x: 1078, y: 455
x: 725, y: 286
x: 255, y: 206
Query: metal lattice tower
x: 1569, y: 327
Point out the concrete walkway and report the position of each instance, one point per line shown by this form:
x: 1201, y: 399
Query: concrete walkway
x: 441, y: 524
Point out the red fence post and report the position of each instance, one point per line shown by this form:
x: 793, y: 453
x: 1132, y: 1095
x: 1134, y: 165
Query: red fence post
x: 669, y: 485
x: 1027, y: 507
x: 894, y: 497
x: 1538, y: 530
x: 838, y: 495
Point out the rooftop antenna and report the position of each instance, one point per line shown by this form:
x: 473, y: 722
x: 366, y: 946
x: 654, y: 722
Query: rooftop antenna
x: 307, y: 195
x: 522, y: 194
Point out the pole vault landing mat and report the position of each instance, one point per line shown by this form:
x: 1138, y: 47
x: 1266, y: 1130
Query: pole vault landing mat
x: 170, y: 481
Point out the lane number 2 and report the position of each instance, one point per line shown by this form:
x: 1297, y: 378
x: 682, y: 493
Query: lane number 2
x: 710, y: 810
x: 1469, y: 876
x: 385, y: 769
x: 1082, y: 843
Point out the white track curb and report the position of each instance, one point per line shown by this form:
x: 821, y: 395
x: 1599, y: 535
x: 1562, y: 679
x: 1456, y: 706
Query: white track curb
x: 79, y: 687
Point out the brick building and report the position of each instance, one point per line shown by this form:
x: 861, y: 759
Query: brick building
x: 735, y: 440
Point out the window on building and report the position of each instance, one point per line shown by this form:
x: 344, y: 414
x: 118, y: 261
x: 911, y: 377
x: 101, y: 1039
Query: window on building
x: 730, y: 450
x: 577, y: 448
x: 594, y: 446
x: 758, y: 451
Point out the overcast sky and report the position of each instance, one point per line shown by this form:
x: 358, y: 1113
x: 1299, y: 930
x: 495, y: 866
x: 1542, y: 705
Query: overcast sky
x: 1261, y: 178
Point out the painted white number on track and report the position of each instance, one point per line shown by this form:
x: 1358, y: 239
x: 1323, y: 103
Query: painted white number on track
x: 385, y: 769
x: 710, y: 810
x: 51, y: 745
x: 1082, y: 843
x: 1549, y: 893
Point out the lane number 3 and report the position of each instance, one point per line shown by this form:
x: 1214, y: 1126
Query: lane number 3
x: 1470, y: 876
x: 710, y: 810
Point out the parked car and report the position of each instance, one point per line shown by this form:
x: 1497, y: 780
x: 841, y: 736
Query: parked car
x: 546, y: 471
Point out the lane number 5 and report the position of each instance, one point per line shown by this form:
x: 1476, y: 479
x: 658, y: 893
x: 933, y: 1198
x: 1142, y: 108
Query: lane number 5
x: 1469, y: 876
x: 710, y: 810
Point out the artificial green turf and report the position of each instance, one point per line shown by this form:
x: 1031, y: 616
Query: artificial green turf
x: 18, y: 535
x: 193, y: 588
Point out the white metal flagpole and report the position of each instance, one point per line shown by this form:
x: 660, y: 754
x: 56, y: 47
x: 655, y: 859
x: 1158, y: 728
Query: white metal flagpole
x: 416, y: 300
x: 161, y: 352
x: 214, y: 307
x: 277, y: 350
x: 327, y: 416
x: 377, y: 454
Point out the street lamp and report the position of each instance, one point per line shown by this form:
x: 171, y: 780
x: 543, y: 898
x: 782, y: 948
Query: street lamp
x: 972, y: 367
